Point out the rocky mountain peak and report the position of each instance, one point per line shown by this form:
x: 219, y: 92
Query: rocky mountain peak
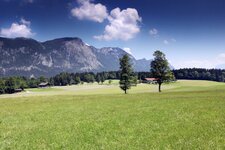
x: 25, y: 57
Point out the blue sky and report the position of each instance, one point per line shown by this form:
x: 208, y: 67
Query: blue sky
x: 190, y: 32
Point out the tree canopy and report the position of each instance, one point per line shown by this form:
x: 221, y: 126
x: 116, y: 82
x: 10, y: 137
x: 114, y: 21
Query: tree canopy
x: 160, y: 68
x: 125, y: 73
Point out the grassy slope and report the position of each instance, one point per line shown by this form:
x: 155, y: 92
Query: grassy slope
x: 184, y: 117
x: 93, y: 89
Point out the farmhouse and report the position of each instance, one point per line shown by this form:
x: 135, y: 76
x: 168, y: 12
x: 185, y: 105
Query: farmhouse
x: 18, y: 90
x: 43, y: 85
x: 150, y: 80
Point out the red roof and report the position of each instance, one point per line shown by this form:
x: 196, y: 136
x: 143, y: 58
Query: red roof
x: 151, y: 79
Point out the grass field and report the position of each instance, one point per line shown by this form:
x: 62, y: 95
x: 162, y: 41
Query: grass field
x: 186, y: 115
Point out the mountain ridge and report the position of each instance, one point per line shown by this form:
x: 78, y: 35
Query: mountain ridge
x: 29, y: 57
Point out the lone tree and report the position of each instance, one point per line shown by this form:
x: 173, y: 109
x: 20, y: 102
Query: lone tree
x: 160, y: 69
x: 125, y: 73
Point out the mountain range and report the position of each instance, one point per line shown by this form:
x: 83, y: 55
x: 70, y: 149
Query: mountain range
x: 28, y: 57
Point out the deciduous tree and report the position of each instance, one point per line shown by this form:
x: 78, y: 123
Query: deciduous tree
x: 160, y: 68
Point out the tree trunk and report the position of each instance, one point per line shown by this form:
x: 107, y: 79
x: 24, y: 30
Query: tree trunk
x: 160, y: 87
x: 125, y: 91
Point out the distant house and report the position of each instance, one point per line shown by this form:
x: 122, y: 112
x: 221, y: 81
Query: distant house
x: 43, y: 85
x: 150, y: 80
x: 18, y: 90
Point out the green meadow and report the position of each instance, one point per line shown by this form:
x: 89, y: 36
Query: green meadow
x: 186, y: 115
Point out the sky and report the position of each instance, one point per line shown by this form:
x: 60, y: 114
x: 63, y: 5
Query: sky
x: 190, y: 32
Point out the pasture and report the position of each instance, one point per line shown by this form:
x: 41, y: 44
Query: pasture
x: 186, y: 115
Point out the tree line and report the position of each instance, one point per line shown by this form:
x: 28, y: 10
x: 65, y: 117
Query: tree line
x: 200, y: 74
x: 13, y: 84
x: 192, y: 74
x: 65, y: 78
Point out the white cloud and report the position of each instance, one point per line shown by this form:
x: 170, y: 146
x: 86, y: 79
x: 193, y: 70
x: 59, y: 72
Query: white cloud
x: 221, y: 58
x: 128, y: 50
x: 21, y: 29
x: 204, y: 63
x: 169, y: 41
x: 25, y: 22
x: 196, y: 64
x: 90, y: 11
x: 153, y: 32
x: 166, y: 42
x: 173, y: 40
x: 123, y: 25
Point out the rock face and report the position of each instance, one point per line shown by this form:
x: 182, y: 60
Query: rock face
x: 28, y: 57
